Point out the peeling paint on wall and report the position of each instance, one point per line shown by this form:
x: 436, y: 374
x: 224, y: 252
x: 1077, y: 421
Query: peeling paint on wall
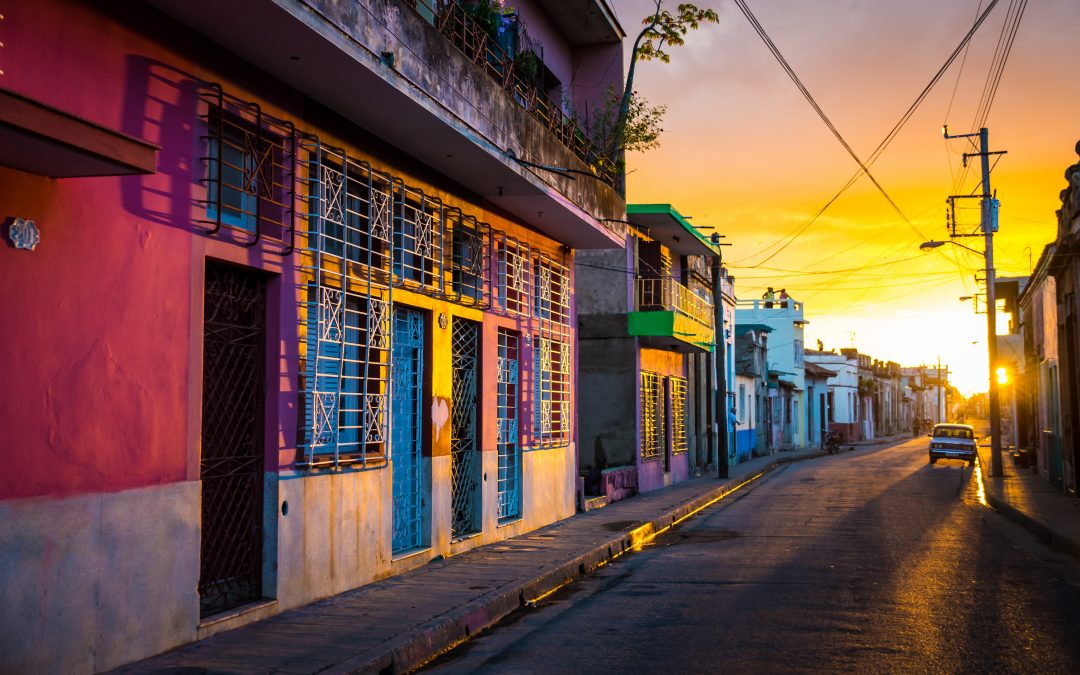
x: 440, y: 413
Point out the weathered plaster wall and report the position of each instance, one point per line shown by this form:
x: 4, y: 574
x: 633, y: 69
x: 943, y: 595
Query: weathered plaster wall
x: 336, y: 535
x: 99, y: 518
x: 604, y: 285
x: 558, y: 53
x: 608, y: 395
x: 90, y: 582
x: 425, y: 59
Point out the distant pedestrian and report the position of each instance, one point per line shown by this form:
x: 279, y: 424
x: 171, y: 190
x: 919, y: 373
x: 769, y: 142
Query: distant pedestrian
x: 769, y: 295
x: 784, y: 297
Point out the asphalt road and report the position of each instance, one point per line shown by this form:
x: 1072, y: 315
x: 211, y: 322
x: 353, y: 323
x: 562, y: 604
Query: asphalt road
x: 868, y: 561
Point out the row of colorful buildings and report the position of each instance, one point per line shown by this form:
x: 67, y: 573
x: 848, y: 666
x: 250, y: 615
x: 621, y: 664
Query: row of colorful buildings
x: 303, y: 294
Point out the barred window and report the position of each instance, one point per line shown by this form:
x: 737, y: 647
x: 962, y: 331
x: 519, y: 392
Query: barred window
x: 506, y: 418
x: 468, y: 259
x: 653, y: 416
x: 551, y: 290
x: 344, y: 309
x: 346, y: 375
x: 418, y: 240
x: 678, y: 414
x: 551, y: 392
x: 250, y: 170
x: 512, y: 275
x: 349, y: 211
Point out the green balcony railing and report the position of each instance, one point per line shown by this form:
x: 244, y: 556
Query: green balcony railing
x: 664, y: 294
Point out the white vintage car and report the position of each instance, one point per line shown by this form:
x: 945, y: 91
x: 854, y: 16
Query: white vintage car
x: 952, y: 441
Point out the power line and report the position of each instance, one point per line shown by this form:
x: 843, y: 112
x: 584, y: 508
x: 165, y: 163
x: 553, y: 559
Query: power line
x: 888, y: 138
x: 760, y: 30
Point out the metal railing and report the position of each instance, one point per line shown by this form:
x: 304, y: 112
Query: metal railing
x: 515, y: 68
x: 666, y: 294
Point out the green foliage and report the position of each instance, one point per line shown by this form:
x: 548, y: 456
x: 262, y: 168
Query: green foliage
x: 527, y: 66
x: 638, y: 131
x: 637, y: 124
x: 488, y: 14
x: 665, y: 28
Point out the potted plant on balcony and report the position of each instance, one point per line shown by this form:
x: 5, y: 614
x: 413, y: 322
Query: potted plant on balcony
x: 488, y: 15
x: 527, y: 67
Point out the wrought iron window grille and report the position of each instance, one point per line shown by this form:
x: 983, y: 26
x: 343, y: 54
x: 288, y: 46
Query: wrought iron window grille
x: 513, y: 275
x: 418, y: 240
x: 679, y: 441
x: 345, y: 301
x: 653, y: 416
x: 551, y: 281
x: 508, y: 441
x: 551, y: 392
x: 348, y: 212
x: 469, y: 259
x: 250, y: 171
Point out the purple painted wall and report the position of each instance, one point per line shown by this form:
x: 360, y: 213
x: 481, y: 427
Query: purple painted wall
x: 651, y: 473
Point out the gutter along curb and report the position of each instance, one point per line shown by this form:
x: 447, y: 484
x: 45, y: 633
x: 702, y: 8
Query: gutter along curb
x: 1048, y: 534
x: 426, y: 642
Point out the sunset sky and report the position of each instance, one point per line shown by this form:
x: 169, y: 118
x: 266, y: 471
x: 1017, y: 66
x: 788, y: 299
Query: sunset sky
x: 744, y: 152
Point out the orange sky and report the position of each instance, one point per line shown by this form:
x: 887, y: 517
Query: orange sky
x: 743, y: 151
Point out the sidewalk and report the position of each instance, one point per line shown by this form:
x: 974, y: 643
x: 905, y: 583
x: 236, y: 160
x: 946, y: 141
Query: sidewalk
x: 401, y: 622
x: 1028, y: 499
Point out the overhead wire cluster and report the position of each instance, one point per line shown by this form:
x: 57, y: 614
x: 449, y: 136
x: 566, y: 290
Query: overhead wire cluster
x: 1003, y: 48
x: 997, y: 67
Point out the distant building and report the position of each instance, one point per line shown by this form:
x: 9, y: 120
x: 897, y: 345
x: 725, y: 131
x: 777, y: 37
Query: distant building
x: 1065, y: 268
x: 842, y: 395
x: 817, y: 400
x: 785, y: 319
x: 753, y: 435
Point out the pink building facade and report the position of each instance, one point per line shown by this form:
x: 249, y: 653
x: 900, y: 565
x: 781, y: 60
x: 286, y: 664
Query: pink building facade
x: 288, y: 306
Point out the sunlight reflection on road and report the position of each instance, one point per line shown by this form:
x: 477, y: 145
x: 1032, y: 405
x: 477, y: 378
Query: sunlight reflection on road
x: 980, y: 490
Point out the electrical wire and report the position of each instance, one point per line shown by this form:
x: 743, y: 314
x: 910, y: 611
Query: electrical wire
x: 887, y: 140
x: 760, y: 30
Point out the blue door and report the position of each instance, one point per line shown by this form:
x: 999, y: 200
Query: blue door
x: 406, y: 456
x: 506, y: 415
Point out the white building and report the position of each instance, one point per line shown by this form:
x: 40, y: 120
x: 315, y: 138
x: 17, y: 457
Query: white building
x: 843, y: 392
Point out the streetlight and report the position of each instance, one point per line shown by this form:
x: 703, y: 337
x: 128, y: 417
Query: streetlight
x: 931, y: 245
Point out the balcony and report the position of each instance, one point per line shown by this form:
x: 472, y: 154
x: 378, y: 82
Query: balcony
x: 404, y: 72
x: 515, y: 70
x: 667, y: 314
x: 767, y: 311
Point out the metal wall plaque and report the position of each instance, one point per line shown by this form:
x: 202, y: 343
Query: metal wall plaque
x: 24, y: 234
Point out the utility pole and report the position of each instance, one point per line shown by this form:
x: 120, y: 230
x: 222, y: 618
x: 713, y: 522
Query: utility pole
x: 940, y: 411
x: 720, y: 340
x: 988, y: 224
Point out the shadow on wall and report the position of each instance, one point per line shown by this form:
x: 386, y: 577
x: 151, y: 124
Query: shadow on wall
x: 161, y: 106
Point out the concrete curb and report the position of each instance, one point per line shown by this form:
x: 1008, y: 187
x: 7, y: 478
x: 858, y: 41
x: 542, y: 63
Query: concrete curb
x: 424, y: 643
x: 1047, y: 534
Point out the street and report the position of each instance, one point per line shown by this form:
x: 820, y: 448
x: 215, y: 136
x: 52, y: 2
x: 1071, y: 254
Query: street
x: 871, y: 560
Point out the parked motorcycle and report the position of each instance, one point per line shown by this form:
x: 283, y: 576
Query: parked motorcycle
x: 830, y: 440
